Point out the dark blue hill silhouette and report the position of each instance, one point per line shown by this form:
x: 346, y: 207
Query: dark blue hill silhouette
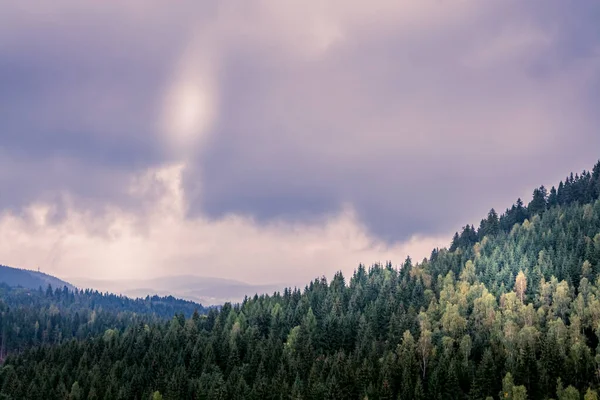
x: 30, y: 279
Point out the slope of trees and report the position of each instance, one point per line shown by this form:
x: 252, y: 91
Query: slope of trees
x: 578, y: 189
x: 39, y: 317
x: 510, y: 311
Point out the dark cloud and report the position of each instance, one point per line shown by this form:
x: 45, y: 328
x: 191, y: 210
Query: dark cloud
x: 79, y: 95
x: 419, y: 126
x: 419, y: 133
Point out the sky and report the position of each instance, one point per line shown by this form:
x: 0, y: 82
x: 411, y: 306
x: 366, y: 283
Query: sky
x: 275, y: 141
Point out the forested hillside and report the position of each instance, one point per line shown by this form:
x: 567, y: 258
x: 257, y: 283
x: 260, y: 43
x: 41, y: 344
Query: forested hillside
x: 39, y: 317
x: 510, y: 311
x: 30, y: 279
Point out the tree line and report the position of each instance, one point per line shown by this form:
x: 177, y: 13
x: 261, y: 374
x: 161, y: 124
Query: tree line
x: 52, y: 316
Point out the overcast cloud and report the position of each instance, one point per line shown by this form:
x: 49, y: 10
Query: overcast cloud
x: 280, y: 140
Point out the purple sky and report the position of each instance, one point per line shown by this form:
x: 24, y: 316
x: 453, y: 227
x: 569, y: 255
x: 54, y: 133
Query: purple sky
x: 275, y: 141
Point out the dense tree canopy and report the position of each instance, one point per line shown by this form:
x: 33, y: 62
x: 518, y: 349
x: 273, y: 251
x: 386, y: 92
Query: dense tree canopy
x: 510, y: 311
x: 51, y: 316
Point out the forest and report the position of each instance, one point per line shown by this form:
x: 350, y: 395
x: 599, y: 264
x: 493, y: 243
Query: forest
x: 511, y: 310
x: 52, y: 316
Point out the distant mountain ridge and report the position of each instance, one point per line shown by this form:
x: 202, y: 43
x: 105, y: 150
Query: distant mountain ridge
x: 30, y: 279
x: 203, y: 289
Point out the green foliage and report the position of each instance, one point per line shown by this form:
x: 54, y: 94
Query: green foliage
x: 156, y: 396
x: 519, y: 393
x: 570, y: 393
x: 76, y: 392
x: 590, y: 395
x: 37, y: 317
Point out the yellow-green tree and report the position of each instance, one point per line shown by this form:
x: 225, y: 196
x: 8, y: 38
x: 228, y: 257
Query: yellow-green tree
x: 521, y: 285
x: 590, y: 395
